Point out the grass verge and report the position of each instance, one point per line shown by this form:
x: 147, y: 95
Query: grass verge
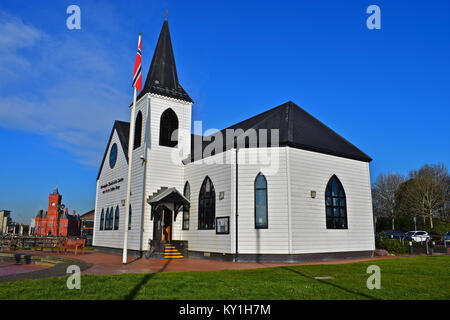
x: 401, y: 278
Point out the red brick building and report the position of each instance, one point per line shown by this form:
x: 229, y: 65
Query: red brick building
x: 56, y: 221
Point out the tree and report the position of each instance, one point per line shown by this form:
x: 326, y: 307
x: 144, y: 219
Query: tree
x: 425, y: 194
x: 384, y: 192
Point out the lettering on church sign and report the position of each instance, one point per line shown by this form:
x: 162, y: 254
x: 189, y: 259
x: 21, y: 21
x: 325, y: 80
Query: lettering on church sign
x: 111, y: 189
x: 111, y: 183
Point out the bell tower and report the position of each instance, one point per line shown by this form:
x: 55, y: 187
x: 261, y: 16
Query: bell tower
x: 54, y: 203
x: 169, y: 136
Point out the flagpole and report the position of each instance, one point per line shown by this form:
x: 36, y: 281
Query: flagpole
x: 130, y: 161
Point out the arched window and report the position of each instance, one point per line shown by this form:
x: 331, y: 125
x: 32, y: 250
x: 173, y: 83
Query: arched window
x: 129, y: 219
x: 107, y: 219
x: 167, y: 125
x: 111, y: 218
x: 335, y: 203
x: 102, y: 219
x: 138, y: 130
x: 116, y: 219
x: 261, y: 216
x: 207, y: 205
x: 187, y: 195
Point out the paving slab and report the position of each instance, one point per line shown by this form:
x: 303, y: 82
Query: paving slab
x: 101, y: 263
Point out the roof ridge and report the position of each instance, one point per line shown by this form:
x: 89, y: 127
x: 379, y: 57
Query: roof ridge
x: 259, y: 114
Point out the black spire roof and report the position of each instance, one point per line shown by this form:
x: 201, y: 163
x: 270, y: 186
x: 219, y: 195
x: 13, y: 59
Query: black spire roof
x: 162, y: 76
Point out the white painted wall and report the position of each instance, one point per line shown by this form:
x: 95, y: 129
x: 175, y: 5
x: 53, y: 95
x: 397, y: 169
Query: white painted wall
x: 163, y: 169
x: 114, y: 238
x: 220, y: 171
x: 275, y: 238
x: 311, y: 171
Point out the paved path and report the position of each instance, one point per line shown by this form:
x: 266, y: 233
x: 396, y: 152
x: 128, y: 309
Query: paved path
x: 7, y: 269
x: 108, y: 264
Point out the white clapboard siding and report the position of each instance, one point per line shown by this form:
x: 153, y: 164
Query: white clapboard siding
x: 311, y: 171
x: 220, y: 171
x: 274, y: 239
x: 114, y: 238
x: 163, y: 168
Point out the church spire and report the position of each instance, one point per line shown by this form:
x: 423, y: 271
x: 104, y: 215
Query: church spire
x: 162, y: 78
x: 56, y: 189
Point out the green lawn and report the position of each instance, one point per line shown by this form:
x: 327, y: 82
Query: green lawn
x: 401, y: 278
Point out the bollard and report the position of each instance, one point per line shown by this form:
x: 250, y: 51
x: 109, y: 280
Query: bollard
x: 410, y: 248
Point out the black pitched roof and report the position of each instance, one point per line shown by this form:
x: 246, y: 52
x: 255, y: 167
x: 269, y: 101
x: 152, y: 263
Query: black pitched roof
x: 123, y: 131
x: 162, y: 76
x: 297, y: 129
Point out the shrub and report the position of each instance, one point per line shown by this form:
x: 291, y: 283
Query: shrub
x: 391, y: 245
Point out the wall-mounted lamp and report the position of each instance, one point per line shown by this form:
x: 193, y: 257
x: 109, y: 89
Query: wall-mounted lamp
x: 313, y: 194
x: 221, y: 195
x: 123, y: 202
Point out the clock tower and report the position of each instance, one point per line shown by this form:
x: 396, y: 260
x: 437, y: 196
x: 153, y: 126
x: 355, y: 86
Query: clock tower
x: 56, y: 221
x: 54, y: 204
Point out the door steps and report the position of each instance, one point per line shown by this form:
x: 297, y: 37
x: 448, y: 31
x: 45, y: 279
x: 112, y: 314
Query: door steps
x: 170, y: 252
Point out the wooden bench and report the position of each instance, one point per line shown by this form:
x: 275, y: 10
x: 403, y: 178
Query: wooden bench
x: 74, y: 244
x: 47, y: 243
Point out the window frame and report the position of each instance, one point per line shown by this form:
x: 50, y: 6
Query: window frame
x: 129, y: 218
x: 116, y: 218
x: 267, y: 201
x: 111, y: 218
x: 137, y: 142
x: 187, y: 186
x: 113, y: 151
x: 168, y: 125
x: 106, y: 220
x: 212, y: 204
x: 332, y: 206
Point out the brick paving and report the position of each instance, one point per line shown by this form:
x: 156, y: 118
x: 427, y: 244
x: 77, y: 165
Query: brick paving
x: 7, y: 269
x: 109, y: 264
x: 49, y: 266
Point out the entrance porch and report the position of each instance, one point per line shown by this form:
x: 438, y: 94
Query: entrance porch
x: 165, y: 205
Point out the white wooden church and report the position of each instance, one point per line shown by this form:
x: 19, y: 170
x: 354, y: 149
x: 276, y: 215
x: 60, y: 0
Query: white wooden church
x: 207, y: 197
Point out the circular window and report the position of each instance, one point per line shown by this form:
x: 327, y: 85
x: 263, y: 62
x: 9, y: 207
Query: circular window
x: 113, y: 156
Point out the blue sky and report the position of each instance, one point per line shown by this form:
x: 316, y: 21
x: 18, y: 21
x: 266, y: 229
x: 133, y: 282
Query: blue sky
x: 387, y: 91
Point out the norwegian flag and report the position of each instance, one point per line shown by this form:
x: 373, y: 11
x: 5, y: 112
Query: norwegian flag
x: 137, y: 73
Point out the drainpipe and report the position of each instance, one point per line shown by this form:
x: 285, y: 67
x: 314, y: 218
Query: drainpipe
x: 237, y: 201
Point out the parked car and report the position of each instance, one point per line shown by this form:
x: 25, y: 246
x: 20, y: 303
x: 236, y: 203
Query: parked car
x: 446, y: 237
x: 417, y: 236
x: 391, y: 234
